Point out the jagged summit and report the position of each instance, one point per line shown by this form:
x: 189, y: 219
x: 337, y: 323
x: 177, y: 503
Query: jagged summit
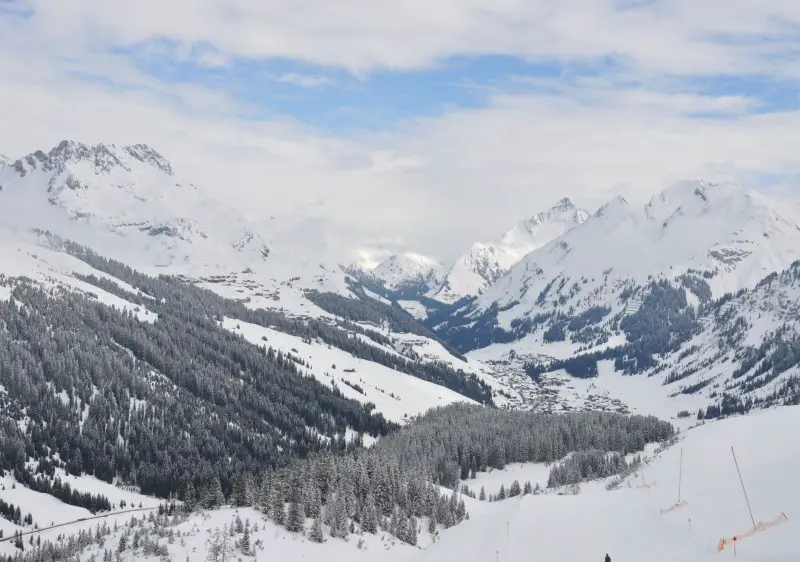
x: 564, y: 204
x: 484, y: 264
x: 101, y: 158
x: 129, y: 192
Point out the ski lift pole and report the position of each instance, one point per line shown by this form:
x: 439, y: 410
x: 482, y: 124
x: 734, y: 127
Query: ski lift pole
x: 743, y: 489
x: 680, y: 476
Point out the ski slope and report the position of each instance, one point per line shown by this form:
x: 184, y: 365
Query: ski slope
x: 47, y: 510
x: 628, y: 523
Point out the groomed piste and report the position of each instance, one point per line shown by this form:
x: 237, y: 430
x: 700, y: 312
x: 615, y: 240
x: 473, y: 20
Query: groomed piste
x: 660, y: 525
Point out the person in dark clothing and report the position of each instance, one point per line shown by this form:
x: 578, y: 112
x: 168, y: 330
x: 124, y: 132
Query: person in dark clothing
x: 608, y: 558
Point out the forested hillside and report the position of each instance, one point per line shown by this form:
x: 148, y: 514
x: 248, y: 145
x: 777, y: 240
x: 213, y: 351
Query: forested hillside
x: 176, y: 296
x: 156, y: 404
x: 454, y: 443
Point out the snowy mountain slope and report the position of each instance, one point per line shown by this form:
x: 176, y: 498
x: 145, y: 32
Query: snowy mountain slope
x: 433, y: 352
x: 732, y: 237
x: 718, y: 357
x: 627, y: 523
x: 129, y: 204
x: 21, y: 255
x: 715, y: 237
x: 746, y: 351
x: 396, y: 395
x: 47, y: 510
x: 484, y: 264
x: 28, y: 255
x: 633, y: 286
x: 405, y: 269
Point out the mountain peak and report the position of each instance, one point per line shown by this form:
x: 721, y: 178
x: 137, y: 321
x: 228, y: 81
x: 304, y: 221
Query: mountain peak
x: 408, y: 272
x: 696, y: 198
x: 721, y: 232
x: 101, y: 158
x: 563, y: 205
x: 484, y: 264
x: 617, y: 204
x: 563, y: 215
x: 144, y: 153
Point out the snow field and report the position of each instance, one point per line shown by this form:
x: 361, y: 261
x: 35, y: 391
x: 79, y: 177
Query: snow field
x: 628, y: 524
x: 269, y: 541
x: 22, y: 257
x: 522, y: 472
x: 412, y: 396
x: 47, y: 510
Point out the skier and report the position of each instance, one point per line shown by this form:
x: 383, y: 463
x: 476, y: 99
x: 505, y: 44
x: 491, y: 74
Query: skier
x: 608, y: 558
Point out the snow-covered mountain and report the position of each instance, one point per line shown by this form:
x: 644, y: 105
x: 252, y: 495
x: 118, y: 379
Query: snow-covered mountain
x: 4, y: 161
x: 484, y: 264
x: 408, y: 269
x: 406, y: 274
x: 132, y: 193
x: 630, y: 291
x: 127, y: 203
x: 290, y: 363
x: 745, y: 351
x: 689, y: 353
x: 729, y: 236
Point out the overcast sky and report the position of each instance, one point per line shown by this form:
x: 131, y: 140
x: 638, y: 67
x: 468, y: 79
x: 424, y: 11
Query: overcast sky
x: 419, y: 124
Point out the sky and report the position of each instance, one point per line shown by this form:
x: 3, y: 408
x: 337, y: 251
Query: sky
x: 415, y: 125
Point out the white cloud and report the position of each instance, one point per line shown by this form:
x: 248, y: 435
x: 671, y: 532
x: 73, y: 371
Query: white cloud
x: 678, y: 36
x: 305, y: 80
x: 439, y: 183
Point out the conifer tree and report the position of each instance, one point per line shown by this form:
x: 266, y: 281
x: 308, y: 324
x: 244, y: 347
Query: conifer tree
x: 316, y: 534
x: 411, y: 533
x: 278, y: 509
x: 296, y: 518
x: 432, y: 525
x: 245, y: 544
x: 370, y: 519
x: 189, y: 497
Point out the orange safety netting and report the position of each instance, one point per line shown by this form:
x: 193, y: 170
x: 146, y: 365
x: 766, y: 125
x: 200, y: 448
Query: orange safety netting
x: 761, y: 526
x: 674, y: 507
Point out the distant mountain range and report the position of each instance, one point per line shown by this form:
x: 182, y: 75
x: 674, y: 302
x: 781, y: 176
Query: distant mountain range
x: 412, y: 274
x: 484, y: 264
x: 629, y: 289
